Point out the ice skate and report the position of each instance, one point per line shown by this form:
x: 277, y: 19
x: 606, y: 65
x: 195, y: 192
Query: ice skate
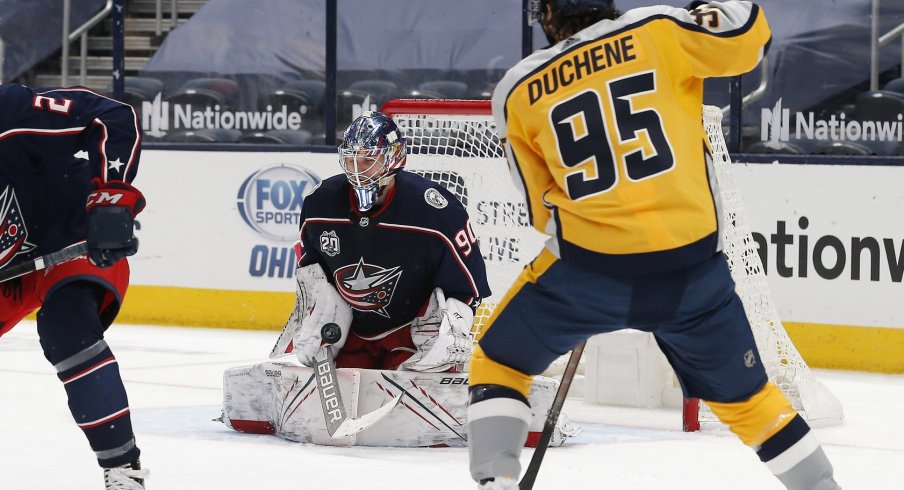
x: 499, y: 483
x: 126, y: 477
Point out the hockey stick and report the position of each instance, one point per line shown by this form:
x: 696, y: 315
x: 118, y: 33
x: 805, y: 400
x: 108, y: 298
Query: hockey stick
x: 338, y: 423
x: 530, y: 475
x: 65, y: 254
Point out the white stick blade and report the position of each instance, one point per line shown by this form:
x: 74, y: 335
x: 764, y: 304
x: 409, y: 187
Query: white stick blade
x: 351, y: 426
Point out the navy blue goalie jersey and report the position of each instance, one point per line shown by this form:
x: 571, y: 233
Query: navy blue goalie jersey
x: 43, y: 184
x: 386, y: 262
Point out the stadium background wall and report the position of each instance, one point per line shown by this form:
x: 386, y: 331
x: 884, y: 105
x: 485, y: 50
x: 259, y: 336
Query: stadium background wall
x: 216, y: 247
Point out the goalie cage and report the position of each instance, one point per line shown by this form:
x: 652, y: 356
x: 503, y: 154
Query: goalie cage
x: 454, y: 142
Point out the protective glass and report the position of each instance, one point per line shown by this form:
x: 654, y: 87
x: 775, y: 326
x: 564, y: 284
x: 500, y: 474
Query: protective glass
x: 534, y: 12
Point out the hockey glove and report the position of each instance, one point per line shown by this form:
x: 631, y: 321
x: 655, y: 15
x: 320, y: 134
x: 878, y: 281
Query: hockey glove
x: 112, y: 208
x: 442, y: 335
x: 318, y: 303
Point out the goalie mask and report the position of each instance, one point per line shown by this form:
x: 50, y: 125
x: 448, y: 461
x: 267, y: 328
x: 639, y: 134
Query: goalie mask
x: 372, y: 151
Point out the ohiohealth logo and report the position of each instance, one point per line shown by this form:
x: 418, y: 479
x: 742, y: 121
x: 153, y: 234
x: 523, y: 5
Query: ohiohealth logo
x: 776, y: 126
x: 269, y: 200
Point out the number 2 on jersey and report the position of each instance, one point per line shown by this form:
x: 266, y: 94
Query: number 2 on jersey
x: 581, y: 136
x: 41, y: 102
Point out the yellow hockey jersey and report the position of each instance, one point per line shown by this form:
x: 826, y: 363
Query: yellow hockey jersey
x: 603, y: 133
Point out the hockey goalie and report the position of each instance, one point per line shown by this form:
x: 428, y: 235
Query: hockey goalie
x: 389, y: 276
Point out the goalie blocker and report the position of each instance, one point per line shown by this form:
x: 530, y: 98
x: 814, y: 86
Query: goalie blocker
x: 280, y: 397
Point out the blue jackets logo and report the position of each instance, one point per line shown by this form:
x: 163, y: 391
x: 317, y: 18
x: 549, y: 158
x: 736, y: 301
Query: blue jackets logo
x: 367, y: 287
x: 269, y: 200
x: 13, y: 233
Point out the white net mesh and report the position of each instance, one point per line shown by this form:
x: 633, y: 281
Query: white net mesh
x: 784, y: 365
x: 463, y: 153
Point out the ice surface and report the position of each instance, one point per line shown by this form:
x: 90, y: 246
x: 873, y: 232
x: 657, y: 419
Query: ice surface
x: 174, y: 380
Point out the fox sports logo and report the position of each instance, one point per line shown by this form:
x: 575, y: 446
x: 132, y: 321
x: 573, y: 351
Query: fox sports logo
x: 269, y: 200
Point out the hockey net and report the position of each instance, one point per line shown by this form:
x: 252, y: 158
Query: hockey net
x: 454, y: 142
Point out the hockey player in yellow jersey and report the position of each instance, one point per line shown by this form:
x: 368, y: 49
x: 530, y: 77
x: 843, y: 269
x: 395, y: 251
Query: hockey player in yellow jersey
x: 603, y: 133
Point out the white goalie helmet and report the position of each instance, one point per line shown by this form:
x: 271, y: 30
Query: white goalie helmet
x: 372, y: 151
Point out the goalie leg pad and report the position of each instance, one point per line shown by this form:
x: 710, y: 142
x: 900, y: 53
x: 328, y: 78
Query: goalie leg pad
x: 281, y: 397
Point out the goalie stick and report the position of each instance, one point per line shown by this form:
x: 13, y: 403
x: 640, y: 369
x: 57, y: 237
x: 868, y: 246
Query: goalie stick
x: 530, y: 475
x: 65, y: 254
x: 338, y: 423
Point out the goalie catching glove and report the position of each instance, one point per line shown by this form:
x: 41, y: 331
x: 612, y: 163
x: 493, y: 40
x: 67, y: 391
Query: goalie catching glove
x: 112, y: 208
x: 317, y: 304
x: 442, y: 335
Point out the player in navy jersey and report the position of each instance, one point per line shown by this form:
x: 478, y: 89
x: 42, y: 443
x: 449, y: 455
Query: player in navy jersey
x: 50, y: 199
x: 390, y: 257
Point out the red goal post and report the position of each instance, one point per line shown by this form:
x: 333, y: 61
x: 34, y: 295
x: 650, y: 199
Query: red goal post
x: 454, y: 142
x: 463, y: 107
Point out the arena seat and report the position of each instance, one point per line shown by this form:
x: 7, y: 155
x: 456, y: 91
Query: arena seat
x: 277, y: 136
x: 216, y: 135
x: 447, y: 89
x: 137, y: 90
x: 379, y: 90
x: 781, y: 148
x: 844, y: 148
x: 421, y: 94
x: 896, y: 85
x: 313, y: 90
x: 294, y: 101
x: 346, y: 100
x: 207, y: 92
x: 878, y: 105
x: 883, y: 147
x: 304, y: 96
x: 481, y: 92
x: 141, y: 88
